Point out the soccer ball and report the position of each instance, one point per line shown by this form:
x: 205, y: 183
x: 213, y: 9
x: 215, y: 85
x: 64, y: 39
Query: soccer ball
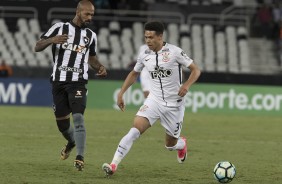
x: 224, y: 172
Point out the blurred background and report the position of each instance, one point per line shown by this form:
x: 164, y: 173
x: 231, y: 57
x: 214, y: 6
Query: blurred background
x: 233, y: 41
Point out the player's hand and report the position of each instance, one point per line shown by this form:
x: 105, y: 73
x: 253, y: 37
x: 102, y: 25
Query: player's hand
x: 102, y: 72
x: 120, y: 102
x: 60, y: 39
x: 182, y: 91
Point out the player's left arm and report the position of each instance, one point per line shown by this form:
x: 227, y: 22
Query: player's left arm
x: 96, y: 65
x: 193, y: 77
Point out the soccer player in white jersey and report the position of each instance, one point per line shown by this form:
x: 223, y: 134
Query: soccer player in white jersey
x: 165, y: 101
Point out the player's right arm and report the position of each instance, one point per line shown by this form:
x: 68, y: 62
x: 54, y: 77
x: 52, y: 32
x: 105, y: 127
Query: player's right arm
x: 130, y: 79
x: 51, y: 36
x: 44, y: 43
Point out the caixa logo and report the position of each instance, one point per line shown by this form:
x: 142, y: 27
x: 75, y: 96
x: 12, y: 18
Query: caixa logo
x: 160, y: 73
x: 74, y: 47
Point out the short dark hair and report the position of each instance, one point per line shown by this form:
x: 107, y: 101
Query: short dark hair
x: 154, y: 26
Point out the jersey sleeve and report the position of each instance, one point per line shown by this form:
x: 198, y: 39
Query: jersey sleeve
x: 139, y: 62
x: 93, y: 46
x: 52, y: 31
x: 139, y: 65
x: 182, y: 58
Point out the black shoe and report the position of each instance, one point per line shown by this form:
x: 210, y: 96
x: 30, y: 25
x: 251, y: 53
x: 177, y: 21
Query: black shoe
x: 65, y: 153
x: 79, y: 163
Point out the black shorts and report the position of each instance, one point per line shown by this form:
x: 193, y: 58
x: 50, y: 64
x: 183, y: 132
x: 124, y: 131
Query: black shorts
x: 68, y: 97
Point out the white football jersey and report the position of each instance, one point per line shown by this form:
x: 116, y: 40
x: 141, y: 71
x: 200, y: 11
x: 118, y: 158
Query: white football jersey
x: 145, y: 80
x: 165, y: 69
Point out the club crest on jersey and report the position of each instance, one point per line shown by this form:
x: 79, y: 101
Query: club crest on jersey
x: 143, y: 108
x: 86, y: 40
x: 165, y: 56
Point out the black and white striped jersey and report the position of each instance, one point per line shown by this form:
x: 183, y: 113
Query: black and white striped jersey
x: 71, y: 58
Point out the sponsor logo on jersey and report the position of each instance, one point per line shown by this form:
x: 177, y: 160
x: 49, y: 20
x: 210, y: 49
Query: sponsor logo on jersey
x: 184, y: 55
x: 70, y: 69
x: 78, y: 94
x: 160, y: 73
x: 74, y: 47
x: 165, y: 50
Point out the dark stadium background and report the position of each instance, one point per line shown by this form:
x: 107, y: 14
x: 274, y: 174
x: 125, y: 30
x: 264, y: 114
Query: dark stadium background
x: 264, y: 76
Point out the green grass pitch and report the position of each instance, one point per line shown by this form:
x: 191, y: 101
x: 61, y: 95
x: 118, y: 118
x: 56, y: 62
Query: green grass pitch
x: 30, y: 145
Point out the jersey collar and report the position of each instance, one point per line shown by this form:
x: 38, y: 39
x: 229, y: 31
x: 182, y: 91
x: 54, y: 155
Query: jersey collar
x: 163, y: 48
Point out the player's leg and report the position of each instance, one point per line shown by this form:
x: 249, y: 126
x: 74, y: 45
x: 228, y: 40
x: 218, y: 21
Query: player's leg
x: 144, y: 119
x: 77, y: 101
x: 66, y: 129
x: 172, y: 122
x: 140, y: 125
x: 62, y: 111
x: 178, y: 144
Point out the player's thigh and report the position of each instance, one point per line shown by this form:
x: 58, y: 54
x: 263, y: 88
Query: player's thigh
x: 149, y: 111
x: 77, y: 96
x: 60, y: 100
x: 172, y: 120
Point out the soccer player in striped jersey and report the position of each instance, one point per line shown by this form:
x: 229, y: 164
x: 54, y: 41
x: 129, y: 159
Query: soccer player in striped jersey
x: 74, y: 47
x: 165, y: 101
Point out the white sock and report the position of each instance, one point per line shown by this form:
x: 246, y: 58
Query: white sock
x: 179, y: 145
x: 125, y: 145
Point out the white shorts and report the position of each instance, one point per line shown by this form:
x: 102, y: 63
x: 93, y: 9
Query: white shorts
x: 171, y: 118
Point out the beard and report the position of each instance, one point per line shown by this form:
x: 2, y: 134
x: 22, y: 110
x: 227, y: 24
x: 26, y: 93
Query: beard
x: 85, y: 24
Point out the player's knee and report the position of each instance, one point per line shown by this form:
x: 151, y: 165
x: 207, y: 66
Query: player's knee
x: 134, y: 133
x: 141, y: 123
x: 170, y: 148
x: 78, y: 122
x: 63, y: 124
x: 77, y: 118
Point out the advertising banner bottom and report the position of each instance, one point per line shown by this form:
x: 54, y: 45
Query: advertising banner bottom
x: 103, y: 94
